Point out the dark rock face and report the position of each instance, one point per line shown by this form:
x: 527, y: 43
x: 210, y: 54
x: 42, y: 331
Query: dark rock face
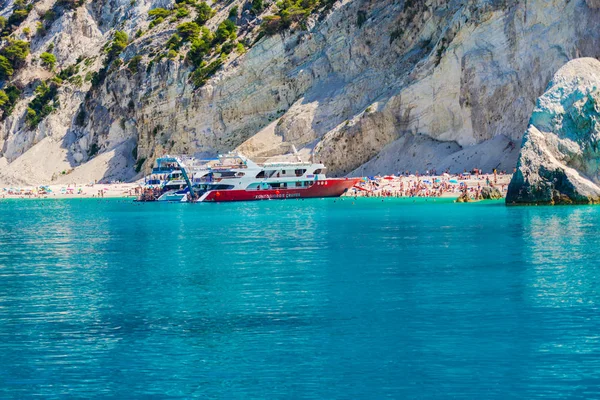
x: 463, y: 198
x: 560, y: 158
x: 491, y: 193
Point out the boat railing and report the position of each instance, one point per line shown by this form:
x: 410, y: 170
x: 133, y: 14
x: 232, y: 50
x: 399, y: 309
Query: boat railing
x: 230, y: 166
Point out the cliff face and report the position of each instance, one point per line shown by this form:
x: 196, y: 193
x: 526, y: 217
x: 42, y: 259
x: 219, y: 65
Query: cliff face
x: 559, y: 160
x: 368, y: 86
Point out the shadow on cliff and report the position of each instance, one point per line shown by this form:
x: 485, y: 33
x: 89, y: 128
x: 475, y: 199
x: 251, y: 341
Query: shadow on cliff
x: 116, y: 163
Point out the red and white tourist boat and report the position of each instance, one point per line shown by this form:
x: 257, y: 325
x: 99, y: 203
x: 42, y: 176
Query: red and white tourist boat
x: 236, y: 178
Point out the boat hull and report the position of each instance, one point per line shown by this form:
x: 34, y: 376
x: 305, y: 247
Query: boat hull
x: 323, y: 188
x: 174, y: 196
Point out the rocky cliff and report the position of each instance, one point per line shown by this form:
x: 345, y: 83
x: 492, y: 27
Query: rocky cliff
x: 560, y: 159
x: 367, y: 86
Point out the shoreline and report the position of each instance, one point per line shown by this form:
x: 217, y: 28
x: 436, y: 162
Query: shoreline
x: 409, y: 186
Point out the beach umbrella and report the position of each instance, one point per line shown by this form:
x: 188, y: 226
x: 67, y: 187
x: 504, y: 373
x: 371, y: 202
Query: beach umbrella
x: 426, y: 181
x: 453, y: 181
x: 388, y: 177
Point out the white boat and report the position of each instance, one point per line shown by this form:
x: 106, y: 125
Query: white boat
x: 236, y: 178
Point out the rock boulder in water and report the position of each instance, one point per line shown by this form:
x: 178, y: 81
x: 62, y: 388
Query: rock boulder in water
x: 491, y: 193
x: 559, y: 161
x: 463, y: 198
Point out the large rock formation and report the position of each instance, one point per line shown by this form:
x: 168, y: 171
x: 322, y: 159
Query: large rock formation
x: 369, y: 86
x: 560, y: 158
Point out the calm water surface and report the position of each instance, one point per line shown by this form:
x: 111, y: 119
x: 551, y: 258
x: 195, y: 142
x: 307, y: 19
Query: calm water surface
x: 298, y: 299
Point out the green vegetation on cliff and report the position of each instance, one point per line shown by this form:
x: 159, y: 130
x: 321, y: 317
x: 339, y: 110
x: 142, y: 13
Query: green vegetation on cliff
x: 43, y: 104
x: 291, y: 12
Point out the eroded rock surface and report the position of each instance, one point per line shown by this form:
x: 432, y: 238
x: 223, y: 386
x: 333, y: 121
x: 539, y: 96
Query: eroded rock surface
x: 559, y: 162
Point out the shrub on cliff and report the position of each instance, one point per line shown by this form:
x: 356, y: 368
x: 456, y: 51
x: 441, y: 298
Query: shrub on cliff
x: 69, y: 72
x: 257, y: 7
x: 19, y: 15
x: 48, y: 60
x: 240, y: 48
x: 273, y: 24
x: 227, y: 48
x: 134, y: 64
x: 13, y: 93
x: 203, y: 13
x: 182, y: 12
x: 201, y: 75
x: 293, y: 12
x: 16, y: 51
x: 40, y: 107
x: 226, y: 30
x: 6, y: 68
x: 159, y: 13
x: 3, y: 98
x: 118, y: 44
x: 188, y: 30
x: 174, y: 42
x: 69, y: 4
x: 198, y: 50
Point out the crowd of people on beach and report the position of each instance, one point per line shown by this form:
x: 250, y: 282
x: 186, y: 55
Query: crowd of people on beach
x: 407, y: 184
x: 469, y: 184
x: 91, y: 190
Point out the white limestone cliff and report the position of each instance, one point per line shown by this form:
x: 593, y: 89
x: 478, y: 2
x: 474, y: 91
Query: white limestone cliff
x: 560, y: 159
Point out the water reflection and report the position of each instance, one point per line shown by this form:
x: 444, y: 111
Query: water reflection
x: 316, y: 299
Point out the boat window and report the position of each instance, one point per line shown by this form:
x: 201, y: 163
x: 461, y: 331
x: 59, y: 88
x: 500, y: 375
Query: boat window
x: 227, y: 174
x: 317, y: 171
x: 300, y: 172
x: 283, y: 172
x: 261, y: 174
x: 220, y: 187
x: 298, y: 184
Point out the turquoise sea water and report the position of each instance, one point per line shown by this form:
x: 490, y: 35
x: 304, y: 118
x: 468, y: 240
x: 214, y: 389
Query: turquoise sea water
x: 298, y: 299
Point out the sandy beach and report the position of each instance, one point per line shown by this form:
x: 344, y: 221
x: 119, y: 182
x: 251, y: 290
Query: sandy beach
x: 114, y: 190
x: 447, y: 186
